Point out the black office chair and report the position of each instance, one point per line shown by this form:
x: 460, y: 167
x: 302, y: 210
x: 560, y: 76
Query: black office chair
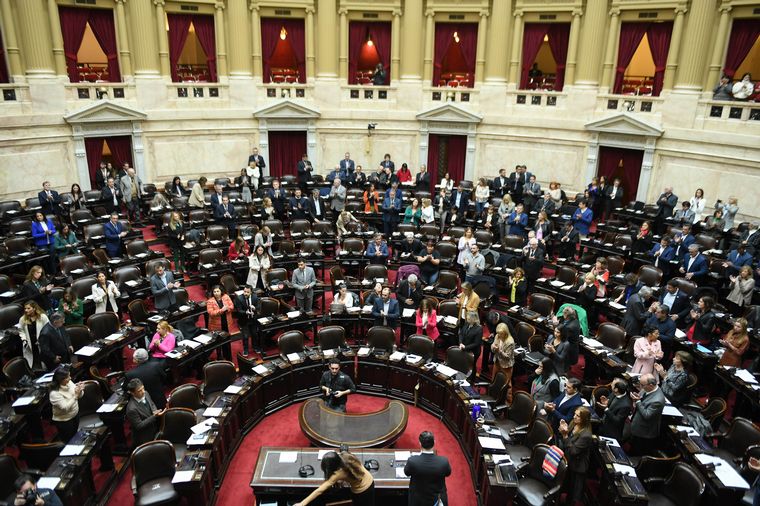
x: 153, y: 466
x: 684, y: 487
x: 176, y: 424
x: 535, y: 488
x: 217, y: 376
x: 382, y: 338
x: 421, y: 345
x: 331, y: 337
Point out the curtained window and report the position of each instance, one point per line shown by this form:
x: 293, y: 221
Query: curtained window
x: 544, y: 56
x: 446, y: 153
x: 93, y: 147
x: 744, y: 34
x: 180, y: 26
x: 283, y: 50
x: 285, y: 151
x: 369, y: 43
x: 4, y: 72
x: 628, y: 79
x: 74, y: 22
x: 454, y: 56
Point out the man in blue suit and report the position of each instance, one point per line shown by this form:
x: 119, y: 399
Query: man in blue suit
x: 582, y: 218
x: 385, y: 310
x: 50, y: 201
x: 682, y: 240
x: 394, y: 189
x: 377, y: 251
x: 460, y: 200
x: 347, y: 166
x: 391, y: 208
x: 695, y: 266
x: 737, y: 259
x: 564, y: 406
x: 677, y: 301
x: 114, y: 231
x: 518, y: 220
x: 662, y: 253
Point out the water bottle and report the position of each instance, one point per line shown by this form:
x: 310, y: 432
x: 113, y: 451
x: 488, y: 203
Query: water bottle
x: 475, y: 412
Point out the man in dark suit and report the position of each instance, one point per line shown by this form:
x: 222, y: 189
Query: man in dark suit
x: 224, y: 214
x: 114, y: 231
x: 533, y: 260
x: 682, y: 240
x: 162, y: 286
x: 315, y: 208
x: 216, y: 197
x: 388, y: 164
x: 570, y: 328
x: 50, y: 201
x: 569, y: 238
x: 422, y: 179
x: 54, y: 343
x: 257, y: 160
x: 347, y: 166
x: 111, y: 196
x: 617, y: 407
x: 677, y: 301
x: 517, y: 181
x: 647, y: 413
x: 278, y: 196
x: 427, y: 472
x: 298, y: 206
x: 500, y: 185
x: 246, y: 306
x: 303, y: 170
x: 545, y: 204
x: 385, y: 310
x: 142, y: 413
x: 694, y: 266
x: 531, y: 192
x: 564, y: 406
x: 614, y: 197
x: 666, y: 202
x: 102, y: 175
x: 152, y: 375
x: 391, y: 209
x: 409, y: 293
x: 637, y: 310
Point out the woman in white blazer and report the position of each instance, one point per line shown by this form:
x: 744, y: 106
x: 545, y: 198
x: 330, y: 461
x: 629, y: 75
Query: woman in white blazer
x: 29, y: 326
x: 259, y: 264
x: 104, y: 293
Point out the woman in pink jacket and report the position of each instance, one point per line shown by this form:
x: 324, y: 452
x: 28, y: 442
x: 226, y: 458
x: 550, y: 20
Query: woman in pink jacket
x: 163, y: 341
x: 427, y: 321
x: 646, y: 350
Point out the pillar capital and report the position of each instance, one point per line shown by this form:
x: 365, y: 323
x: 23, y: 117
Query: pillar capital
x: 615, y: 11
x: 310, y: 9
x: 396, y: 13
x: 121, y: 1
x: 219, y: 6
x: 343, y: 11
x: 518, y: 13
x: 159, y: 3
x: 577, y: 12
x: 430, y: 13
x: 681, y: 9
x: 253, y: 6
x: 484, y: 13
x: 725, y: 8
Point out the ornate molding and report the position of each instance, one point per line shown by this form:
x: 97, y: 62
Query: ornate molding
x: 615, y: 11
x: 725, y: 9
x: 219, y: 6
x: 396, y: 12
x: 577, y: 12
x: 253, y: 6
x: 159, y: 2
x: 310, y: 9
x: 343, y: 11
x: 484, y: 13
x: 681, y: 9
x: 518, y: 13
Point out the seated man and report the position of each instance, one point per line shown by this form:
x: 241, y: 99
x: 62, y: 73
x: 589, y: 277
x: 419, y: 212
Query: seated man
x: 377, y: 251
x: 26, y: 489
x: 385, y: 311
x: 142, y: 413
x: 410, y: 246
x: 336, y: 386
x: 564, y: 406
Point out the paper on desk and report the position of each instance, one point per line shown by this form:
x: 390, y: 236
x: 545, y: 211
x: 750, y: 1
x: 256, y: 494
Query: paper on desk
x: 688, y: 429
x: 183, y: 476
x: 294, y: 357
x: 497, y: 459
x: 670, y: 410
x: 9, y: 293
x: 610, y: 441
x: 623, y: 469
x: 401, y: 456
x: 174, y: 354
x: 397, y: 355
x: 23, y: 401
x: 191, y: 344
x: 288, y: 457
x: 213, y: 411
x: 745, y: 375
x: 556, y: 283
x: 400, y: 473
x: 680, y: 334
x: 204, y: 426
x: 615, y: 305
x: 260, y: 369
x: 114, y: 337
x: 723, y: 471
x: 592, y: 343
x: 185, y: 308
x: 428, y: 288
x: 328, y: 353
x: 45, y: 378
x: 71, y: 450
x: 451, y: 320
x: 407, y: 312
x: 197, y: 439
x: 413, y: 359
x: 204, y: 338
x: 155, y: 318
x: 366, y: 309
x: 293, y: 314
x: 87, y: 351
x: 107, y: 408
x: 263, y: 321
x: 233, y: 389
x: 363, y: 351
x: 491, y: 443
x: 48, y: 482
x: 446, y: 370
x: 131, y: 283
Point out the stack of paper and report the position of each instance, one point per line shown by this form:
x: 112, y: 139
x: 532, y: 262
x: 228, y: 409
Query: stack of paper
x: 204, y: 338
x: 87, y: 351
x: 724, y: 472
x: 491, y: 443
x: 293, y: 314
x: 450, y: 320
x: 294, y: 357
x: 407, y: 313
x: 183, y: 476
x: 71, y: 450
x: 233, y: 389
x: 397, y: 355
x: 623, y: 469
x: 446, y: 370
x: 107, y: 408
x: 212, y: 411
x: 363, y: 351
x: 114, y: 337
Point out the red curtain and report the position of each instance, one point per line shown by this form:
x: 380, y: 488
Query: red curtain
x: 468, y: 43
x: 659, y: 44
x: 381, y: 37
x: 609, y: 163
x: 630, y: 38
x: 204, y: 30
x: 533, y: 37
x: 93, y: 147
x: 101, y: 22
x: 744, y: 33
x: 357, y: 36
x: 73, y: 25
x: 285, y: 151
x: 121, y: 150
x: 433, y: 167
x: 457, y: 153
x: 270, y: 35
x: 380, y: 33
x: 179, y: 28
x: 559, y: 38
x: 3, y: 68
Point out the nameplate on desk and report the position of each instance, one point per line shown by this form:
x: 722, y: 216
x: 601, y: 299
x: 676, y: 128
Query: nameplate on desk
x: 71, y: 450
x: 183, y: 476
x: 204, y: 338
x: 23, y: 401
x: 107, y: 408
x: 191, y: 344
x: 87, y: 351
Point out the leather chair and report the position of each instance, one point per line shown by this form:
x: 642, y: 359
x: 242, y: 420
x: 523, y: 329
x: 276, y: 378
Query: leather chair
x: 80, y: 335
x: 138, y: 313
x: 540, y: 432
x: 486, y: 294
x: 127, y: 273
x: 380, y: 337
x: 153, y: 466
x: 483, y: 238
x: 110, y: 383
x: 181, y: 296
x: 686, y: 286
x: 455, y: 232
x: 269, y: 306
x: 567, y: 275
x: 623, y: 241
x: 611, y: 335
x: 217, y: 376
x: 496, y: 391
x: 245, y: 364
x: 93, y: 231
x: 286, y: 248
x: 176, y: 426
x: 302, y: 227
x: 461, y: 360
x: 705, y: 242
x: 331, y: 337
x: 21, y: 226
x: 103, y: 324
x: 542, y: 304
x: 224, y: 182
x: 91, y: 400
x: 523, y: 333
x: 6, y: 285
x: 17, y: 245
x: 211, y: 256
x: 733, y: 443
x: 430, y: 231
x: 447, y: 284
x: 82, y: 287
x: 312, y: 247
x: 180, y: 203
x: 448, y: 252
x: 521, y: 412
x: 40, y: 455
x: 275, y: 226
x: 217, y: 233
x: 9, y: 473
x: 74, y: 262
x: 448, y: 308
x: 10, y: 314
x: 514, y: 241
x: 278, y: 273
x: 324, y: 227
x: 373, y: 272
x: 596, y: 393
x: 291, y: 341
x: 533, y: 486
x: 649, y: 467
x: 650, y: 275
x: 684, y: 487
x: 14, y: 370
x: 421, y: 345
x: 403, y: 228
x: 615, y: 265
x: 353, y: 245
x: 195, y: 216
x: 101, y: 257
x: 714, y: 411
x: 187, y: 396
x: 138, y: 249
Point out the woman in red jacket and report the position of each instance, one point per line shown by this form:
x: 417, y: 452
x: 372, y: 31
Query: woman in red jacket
x: 427, y: 321
x: 219, y: 308
x: 238, y: 248
x: 404, y: 174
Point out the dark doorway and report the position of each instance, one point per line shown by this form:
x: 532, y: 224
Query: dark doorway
x: 285, y: 151
x: 621, y: 163
x: 446, y: 153
x: 114, y: 150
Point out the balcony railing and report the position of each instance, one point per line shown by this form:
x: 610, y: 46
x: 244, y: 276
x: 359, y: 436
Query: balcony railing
x: 451, y: 94
x: 99, y: 91
x: 287, y: 90
x: 197, y: 91
x: 368, y: 92
x: 739, y: 111
x: 629, y: 103
x: 536, y: 98
x: 14, y: 93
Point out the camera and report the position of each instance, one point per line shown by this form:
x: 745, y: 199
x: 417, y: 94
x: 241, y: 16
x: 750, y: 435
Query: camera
x: 30, y: 497
x: 371, y: 126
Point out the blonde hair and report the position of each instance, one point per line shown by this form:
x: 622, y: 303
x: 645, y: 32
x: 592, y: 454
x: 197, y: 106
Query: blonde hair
x: 38, y: 311
x: 426, y: 202
x: 164, y: 325
x: 503, y: 333
x: 352, y: 465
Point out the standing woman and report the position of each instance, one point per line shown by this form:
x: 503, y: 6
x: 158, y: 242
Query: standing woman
x: 72, y: 308
x: 736, y: 343
x: 558, y: 349
x: 43, y: 231
x: 263, y: 238
x: 698, y: 204
x: 29, y: 325
x: 729, y: 212
x: 197, y: 198
x: 104, y: 293
x: 642, y: 241
x: 465, y: 242
x: 37, y: 287
x: 503, y: 349
x: 647, y: 349
x: 259, y: 264
x: 742, y: 287
x: 545, y: 386
x: 600, y: 204
x: 243, y: 181
x: 427, y: 214
x: 163, y: 341
x: 543, y: 228
x: 371, y: 199
x: 505, y: 209
x: 347, y: 468
x: 700, y: 322
x: 413, y: 213
x: 482, y: 194
x: 176, y: 233
x: 427, y: 320
x: 64, y: 398
x: 518, y: 287
x: 220, y: 308
x: 78, y: 200
x: 576, y: 442
x: 66, y: 242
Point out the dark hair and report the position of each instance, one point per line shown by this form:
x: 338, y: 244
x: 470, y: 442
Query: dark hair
x: 708, y: 301
x: 621, y: 385
x: 248, y: 286
x: 331, y: 463
x: 427, y: 440
x: 547, y: 368
x: 334, y: 361
x: 220, y: 287
x: 575, y: 382
x: 134, y: 384
x: 176, y: 180
x: 60, y: 374
x: 21, y: 481
x: 79, y: 188
x: 202, y: 181
x: 686, y: 203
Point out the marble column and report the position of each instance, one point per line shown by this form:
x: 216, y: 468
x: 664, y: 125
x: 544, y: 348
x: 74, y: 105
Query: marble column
x: 256, y: 40
x: 144, y: 36
x: 395, y: 43
x: 221, y: 41
x: 514, y: 61
x: 591, y: 43
x: 36, y: 43
x: 427, y: 64
x: 719, y: 49
x: 122, y: 39
x: 412, y: 40
x: 480, y: 52
x: 610, y: 52
x: 240, y: 38
x: 11, y: 40
x: 327, y: 45
x: 59, y: 57
x: 675, y: 47
x: 163, y: 39
x: 343, y: 43
x: 497, y: 42
x: 572, y: 47
x: 692, y: 62
x: 310, y: 44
